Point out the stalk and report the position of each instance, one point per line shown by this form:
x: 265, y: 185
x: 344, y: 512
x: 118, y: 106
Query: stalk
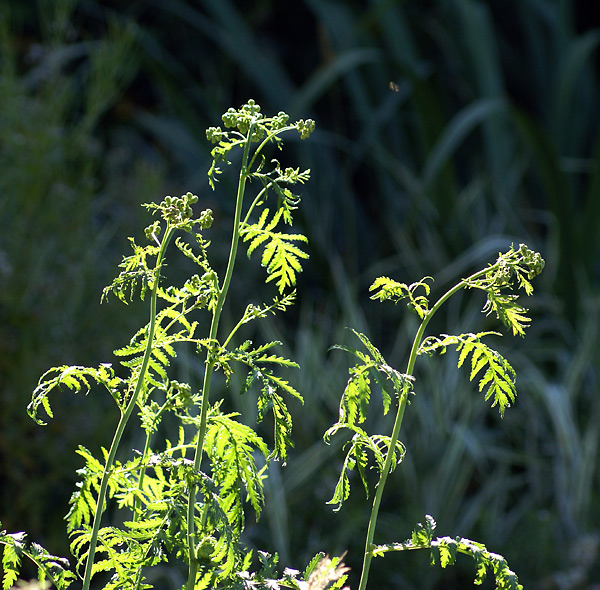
x: 210, y: 363
x: 112, y: 453
x: 138, y: 503
x: 368, y: 553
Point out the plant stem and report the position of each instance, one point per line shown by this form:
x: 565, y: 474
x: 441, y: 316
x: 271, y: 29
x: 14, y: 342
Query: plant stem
x: 368, y: 554
x: 112, y: 453
x: 210, y: 362
x: 137, y: 506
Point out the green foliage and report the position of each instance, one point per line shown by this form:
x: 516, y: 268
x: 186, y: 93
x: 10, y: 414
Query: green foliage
x: 512, y: 270
x: 515, y: 268
x: 181, y: 508
x: 15, y: 547
x: 353, y: 412
x: 474, y: 148
x: 499, y: 377
x: 445, y: 549
x: 280, y: 256
x: 186, y: 501
x: 269, y: 399
x: 391, y: 290
x: 74, y: 378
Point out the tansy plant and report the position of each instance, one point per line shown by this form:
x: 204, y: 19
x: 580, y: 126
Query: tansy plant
x: 183, y: 500
x: 512, y: 270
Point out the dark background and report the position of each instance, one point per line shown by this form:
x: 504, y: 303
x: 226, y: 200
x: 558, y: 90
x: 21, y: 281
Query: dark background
x: 491, y: 138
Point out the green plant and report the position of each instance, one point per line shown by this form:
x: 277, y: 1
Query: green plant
x: 512, y: 270
x: 184, y: 497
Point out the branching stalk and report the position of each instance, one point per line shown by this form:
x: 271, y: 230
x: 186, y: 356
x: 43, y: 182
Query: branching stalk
x: 368, y: 554
x: 210, y: 363
x: 112, y: 453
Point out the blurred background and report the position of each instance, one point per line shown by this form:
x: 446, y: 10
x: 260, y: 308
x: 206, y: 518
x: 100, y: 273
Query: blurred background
x: 446, y: 130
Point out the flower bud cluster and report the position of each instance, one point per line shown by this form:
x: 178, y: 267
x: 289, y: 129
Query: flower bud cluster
x: 152, y: 232
x: 214, y: 134
x: 533, y: 261
x: 243, y: 118
x: 305, y: 128
x: 206, y: 219
x: 249, y: 116
x: 178, y: 209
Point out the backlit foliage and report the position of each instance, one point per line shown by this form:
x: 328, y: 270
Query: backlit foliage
x: 184, y: 499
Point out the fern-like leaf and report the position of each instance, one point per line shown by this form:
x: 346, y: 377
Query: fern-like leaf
x: 445, y: 549
x: 76, y: 379
x: 233, y: 448
x: 136, y: 274
x: 50, y: 567
x: 357, y: 394
x: 281, y: 256
x: 499, y: 377
x: 390, y: 290
x: 357, y: 458
x: 508, y: 311
x: 270, y: 399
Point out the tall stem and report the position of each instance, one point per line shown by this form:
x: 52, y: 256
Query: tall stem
x: 368, y: 554
x: 210, y: 363
x: 112, y: 453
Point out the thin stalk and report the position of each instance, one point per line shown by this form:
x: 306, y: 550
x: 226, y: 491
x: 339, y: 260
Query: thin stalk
x: 137, y: 505
x: 210, y: 362
x: 112, y: 453
x: 41, y: 567
x: 143, y: 465
x: 368, y: 554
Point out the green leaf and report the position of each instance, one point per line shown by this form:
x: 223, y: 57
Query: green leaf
x: 423, y: 533
x: 508, y: 311
x: 357, y: 394
x: 50, y: 567
x: 498, y: 381
x: 445, y: 549
x: 356, y: 457
x: 233, y: 448
x: 11, y: 557
x: 281, y: 257
x: 136, y: 274
x: 75, y: 378
x: 391, y: 290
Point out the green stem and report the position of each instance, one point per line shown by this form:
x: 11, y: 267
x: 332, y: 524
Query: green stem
x: 112, y: 453
x: 257, y: 200
x: 368, y: 554
x: 210, y: 362
x: 137, y: 507
x: 40, y: 565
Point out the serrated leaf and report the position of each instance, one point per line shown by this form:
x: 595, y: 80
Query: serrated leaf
x: 508, y: 311
x: 281, y: 257
x: 498, y: 381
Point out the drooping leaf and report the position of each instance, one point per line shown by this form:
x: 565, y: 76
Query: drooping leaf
x: 445, y: 549
x: 498, y: 381
x: 388, y: 289
x: 508, y: 311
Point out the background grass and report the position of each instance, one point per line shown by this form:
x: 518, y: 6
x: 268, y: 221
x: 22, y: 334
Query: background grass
x: 490, y: 138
